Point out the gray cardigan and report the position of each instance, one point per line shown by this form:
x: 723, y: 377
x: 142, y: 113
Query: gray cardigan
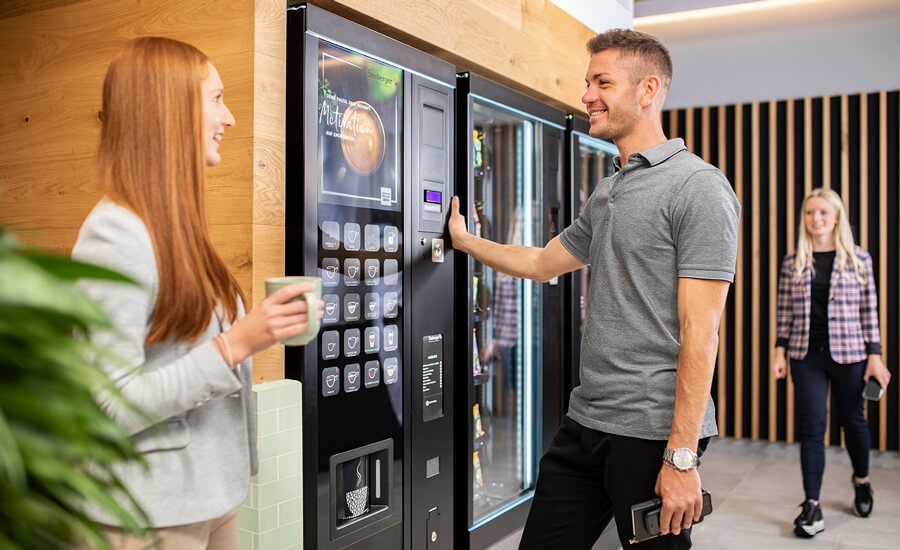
x: 201, y: 460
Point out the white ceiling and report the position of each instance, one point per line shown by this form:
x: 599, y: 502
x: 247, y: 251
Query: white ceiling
x: 600, y: 15
x: 769, y: 15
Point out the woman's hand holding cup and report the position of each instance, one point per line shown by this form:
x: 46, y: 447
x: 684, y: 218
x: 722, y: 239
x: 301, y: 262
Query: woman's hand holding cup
x: 282, y: 316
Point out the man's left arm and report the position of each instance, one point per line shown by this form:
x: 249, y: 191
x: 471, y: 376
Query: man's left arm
x: 700, y: 305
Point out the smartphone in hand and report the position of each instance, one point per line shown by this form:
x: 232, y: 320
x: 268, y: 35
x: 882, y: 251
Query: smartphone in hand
x: 645, y: 517
x: 873, y: 390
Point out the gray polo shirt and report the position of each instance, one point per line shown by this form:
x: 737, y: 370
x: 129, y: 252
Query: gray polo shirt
x: 666, y: 214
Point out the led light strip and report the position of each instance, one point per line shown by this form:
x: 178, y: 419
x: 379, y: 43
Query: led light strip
x: 717, y: 11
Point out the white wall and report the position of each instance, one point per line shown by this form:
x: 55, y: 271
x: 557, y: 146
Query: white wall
x: 758, y: 57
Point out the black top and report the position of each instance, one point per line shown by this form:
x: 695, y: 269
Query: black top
x: 821, y: 285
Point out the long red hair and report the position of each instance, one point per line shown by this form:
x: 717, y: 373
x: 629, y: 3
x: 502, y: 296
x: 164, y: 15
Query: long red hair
x: 152, y: 161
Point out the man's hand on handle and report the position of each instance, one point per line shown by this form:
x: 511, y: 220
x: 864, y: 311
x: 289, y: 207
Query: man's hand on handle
x: 456, y: 224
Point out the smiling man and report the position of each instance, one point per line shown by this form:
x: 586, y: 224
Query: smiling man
x: 660, y: 237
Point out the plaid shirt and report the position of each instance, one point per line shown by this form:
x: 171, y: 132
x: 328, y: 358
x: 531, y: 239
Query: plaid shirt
x: 852, y: 311
x: 506, y: 310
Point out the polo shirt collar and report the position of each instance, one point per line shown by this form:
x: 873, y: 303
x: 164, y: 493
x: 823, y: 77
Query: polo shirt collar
x: 658, y: 153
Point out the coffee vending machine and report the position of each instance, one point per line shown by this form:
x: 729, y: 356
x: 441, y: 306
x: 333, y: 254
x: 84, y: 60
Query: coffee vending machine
x: 369, y: 177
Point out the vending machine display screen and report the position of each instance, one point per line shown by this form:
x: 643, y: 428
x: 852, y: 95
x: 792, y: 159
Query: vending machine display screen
x: 360, y: 108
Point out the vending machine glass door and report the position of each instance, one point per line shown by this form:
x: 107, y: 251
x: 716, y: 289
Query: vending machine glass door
x: 507, y: 316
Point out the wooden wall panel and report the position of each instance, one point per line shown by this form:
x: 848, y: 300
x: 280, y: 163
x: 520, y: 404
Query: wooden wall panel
x: 55, y: 56
x: 850, y: 143
x: 773, y: 264
x: 722, y: 402
x: 739, y: 281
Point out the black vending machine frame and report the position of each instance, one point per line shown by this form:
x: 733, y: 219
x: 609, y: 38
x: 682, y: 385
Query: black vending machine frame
x: 417, y: 512
x: 550, y: 400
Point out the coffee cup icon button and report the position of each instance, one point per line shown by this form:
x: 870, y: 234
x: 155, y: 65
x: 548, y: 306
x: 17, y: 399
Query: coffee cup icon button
x: 351, y: 307
x: 351, y: 377
x: 372, y: 272
x: 330, y: 344
x: 371, y: 339
x: 330, y: 268
x: 332, y: 308
x: 331, y: 381
x: 351, y: 236
x: 351, y: 342
x: 373, y: 374
x: 391, y: 370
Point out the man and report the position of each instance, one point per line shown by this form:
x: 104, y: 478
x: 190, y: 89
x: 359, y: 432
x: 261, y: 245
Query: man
x: 661, y: 239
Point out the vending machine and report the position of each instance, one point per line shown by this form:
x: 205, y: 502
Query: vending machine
x: 368, y: 181
x: 588, y: 160
x: 510, y: 332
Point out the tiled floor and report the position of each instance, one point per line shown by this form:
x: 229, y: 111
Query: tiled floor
x: 756, y: 489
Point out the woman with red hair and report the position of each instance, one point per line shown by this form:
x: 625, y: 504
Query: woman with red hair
x: 183, y: 324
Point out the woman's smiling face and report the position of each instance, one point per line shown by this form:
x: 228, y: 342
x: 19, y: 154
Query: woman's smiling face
x: 216, y: 115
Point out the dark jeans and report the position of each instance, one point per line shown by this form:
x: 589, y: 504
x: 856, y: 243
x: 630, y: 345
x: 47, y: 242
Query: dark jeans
x: 811, y: 376
x: 585, y: 479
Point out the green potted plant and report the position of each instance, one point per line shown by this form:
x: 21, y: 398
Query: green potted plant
x: 56, y: 444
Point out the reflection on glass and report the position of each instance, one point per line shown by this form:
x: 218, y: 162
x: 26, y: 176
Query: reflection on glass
x: 506, y: 311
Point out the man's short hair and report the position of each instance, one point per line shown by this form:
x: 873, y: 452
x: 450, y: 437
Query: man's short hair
x: 647, y: 49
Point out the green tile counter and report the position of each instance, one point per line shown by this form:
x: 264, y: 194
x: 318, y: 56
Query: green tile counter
x: 272, y: 516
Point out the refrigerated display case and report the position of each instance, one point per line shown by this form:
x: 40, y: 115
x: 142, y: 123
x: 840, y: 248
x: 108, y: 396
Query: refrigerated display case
x: 511, y: 149
x: 368, y: 180
x: 588, y: 160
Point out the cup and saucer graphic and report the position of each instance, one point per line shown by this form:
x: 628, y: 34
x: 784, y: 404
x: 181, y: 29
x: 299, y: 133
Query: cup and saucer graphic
x: 362, y: 137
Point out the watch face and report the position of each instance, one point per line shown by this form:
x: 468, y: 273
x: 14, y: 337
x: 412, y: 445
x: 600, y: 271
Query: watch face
x: 682, y: 459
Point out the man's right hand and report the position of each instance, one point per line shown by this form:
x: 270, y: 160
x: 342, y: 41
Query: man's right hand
x: 457, y: 225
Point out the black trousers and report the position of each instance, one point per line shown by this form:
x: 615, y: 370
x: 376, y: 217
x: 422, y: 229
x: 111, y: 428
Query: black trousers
x: 588, y: 477
x: 811, y: 376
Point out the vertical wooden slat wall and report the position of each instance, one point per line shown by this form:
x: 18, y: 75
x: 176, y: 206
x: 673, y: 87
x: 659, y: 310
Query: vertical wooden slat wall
x: 774, y: 153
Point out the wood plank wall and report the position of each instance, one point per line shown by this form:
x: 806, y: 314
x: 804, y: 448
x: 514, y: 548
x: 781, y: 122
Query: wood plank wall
x: 774, y: 153
x: 54, y: 58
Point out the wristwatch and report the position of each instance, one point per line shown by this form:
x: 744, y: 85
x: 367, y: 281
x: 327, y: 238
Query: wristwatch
x: 682, y: 458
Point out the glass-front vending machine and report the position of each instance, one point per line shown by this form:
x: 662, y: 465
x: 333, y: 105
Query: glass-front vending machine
x: 511, y: 389
x: 368, y: 180
x: 588, y: 160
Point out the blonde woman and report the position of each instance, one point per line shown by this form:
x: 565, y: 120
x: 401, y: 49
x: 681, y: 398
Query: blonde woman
x: 164, y: 117
x: 828, y: 327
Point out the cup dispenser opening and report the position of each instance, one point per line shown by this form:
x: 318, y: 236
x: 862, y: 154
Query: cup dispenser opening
x: 360, y: 481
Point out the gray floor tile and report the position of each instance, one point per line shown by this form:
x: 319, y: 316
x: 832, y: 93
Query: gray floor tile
x: 756, y: 487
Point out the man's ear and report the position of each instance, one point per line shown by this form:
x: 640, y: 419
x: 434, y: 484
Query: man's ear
x: 649, y: 89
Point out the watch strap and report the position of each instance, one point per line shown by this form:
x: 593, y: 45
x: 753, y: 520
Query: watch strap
x: 669, y: 458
